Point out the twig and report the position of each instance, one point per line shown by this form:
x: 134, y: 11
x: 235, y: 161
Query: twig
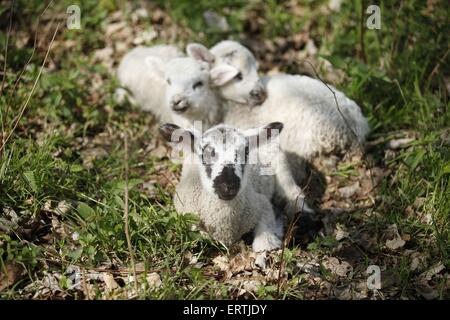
x: 127, y: 227
x: 86, y: 289
x: 32, y: 90
x: 361, y: 33
x: 4, y: 69
x: 6, y: 46
x: 394, y: 32
x: 126, y: 271
x: 19, y: 77
x: 436, y: 67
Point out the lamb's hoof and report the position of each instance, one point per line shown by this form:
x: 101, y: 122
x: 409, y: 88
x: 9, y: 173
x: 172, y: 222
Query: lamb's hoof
x: 120, y: 95
x: 301, y: 205
x: 266, y: 242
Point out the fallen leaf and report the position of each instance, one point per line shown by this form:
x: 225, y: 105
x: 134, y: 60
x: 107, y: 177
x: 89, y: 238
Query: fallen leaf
x: 154, y: 280
x: 349, y: 191
x: 426, y: 291
x: 242, y: 262
x: 110, y: 283
x: 340, y: 232
x: 437, y: 268
x: 340, y: 269
x: 399, y: 143
x: 395, y: 241
x: 13, y: 273
x: 221, y: 262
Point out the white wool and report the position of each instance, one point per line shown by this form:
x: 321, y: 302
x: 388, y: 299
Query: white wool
x: 312, y: 122
x: 235, y: 69
x: 144, y: 80
x: 228, y: 220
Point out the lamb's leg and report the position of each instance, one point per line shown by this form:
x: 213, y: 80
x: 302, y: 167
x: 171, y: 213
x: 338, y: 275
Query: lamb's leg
x: 266, y: 231
x: 287, y: 188
x: 121, y: 95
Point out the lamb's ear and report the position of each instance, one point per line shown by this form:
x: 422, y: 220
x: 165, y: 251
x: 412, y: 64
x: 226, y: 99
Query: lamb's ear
x: 260, y: 136
x: 156, y: 66
x: 200, y: 52
x: 220, y: 75
x: 272, y: 130
x: 174, y: 134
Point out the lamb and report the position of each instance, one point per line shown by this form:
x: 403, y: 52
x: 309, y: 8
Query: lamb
x: 190, y: 95
x: 237, y: 68
x: 291, y: 99
x: 192, y: 89
x: 140, y: 72
x: 146, y: 73
x: 224, y: 187
x: 313, y: 123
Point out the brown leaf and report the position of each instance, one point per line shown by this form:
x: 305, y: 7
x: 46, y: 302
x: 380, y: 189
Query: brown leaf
x: 394, y: 241
x: 154, y: 280
x: 110, y: 283
x: 340, y: 269
x: 437, y: 268
x: 242, y: 262
x: 13, y: 273
x: 426, y: 291
x: 349, y: 191
x: 222, y: 263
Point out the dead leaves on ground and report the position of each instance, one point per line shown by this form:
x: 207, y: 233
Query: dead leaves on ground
x: 88, y: 284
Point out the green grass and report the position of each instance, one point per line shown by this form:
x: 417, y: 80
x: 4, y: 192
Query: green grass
x: 44, y: 162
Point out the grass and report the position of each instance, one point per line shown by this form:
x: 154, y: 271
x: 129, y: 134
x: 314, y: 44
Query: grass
x: 62, y: 171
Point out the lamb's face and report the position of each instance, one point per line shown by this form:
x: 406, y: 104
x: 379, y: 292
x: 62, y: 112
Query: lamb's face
x: 246, y: 87
x: 222, y: 154
x: 234, y: 71
x: 187, y: 90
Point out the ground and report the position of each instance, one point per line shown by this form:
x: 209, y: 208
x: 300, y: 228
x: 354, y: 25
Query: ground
x: 72, y: 159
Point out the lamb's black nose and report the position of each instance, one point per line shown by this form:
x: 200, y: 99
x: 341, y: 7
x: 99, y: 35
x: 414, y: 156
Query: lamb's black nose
x: 227, y: 183
x: 176, y: 101
x: 255, y: 93
x: 179, y: 104
x: 259, y: 95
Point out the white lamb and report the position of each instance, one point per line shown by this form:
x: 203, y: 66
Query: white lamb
x: 237, y: 69
x: 194, y: 89
x: 314, y: 123
x: 140, y: 72
x: 223, y: 187
x: 145, y: 72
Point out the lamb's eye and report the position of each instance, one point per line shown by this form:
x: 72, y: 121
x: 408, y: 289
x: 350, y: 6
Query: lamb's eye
x: 208, y: 154
x: 197, y: 85
x: 168, y: 82
x: 239, y: 76
x: 241, y: 155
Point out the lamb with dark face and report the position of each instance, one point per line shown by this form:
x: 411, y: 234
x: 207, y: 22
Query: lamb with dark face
x: 224, y: 152
x: 220, y: 182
